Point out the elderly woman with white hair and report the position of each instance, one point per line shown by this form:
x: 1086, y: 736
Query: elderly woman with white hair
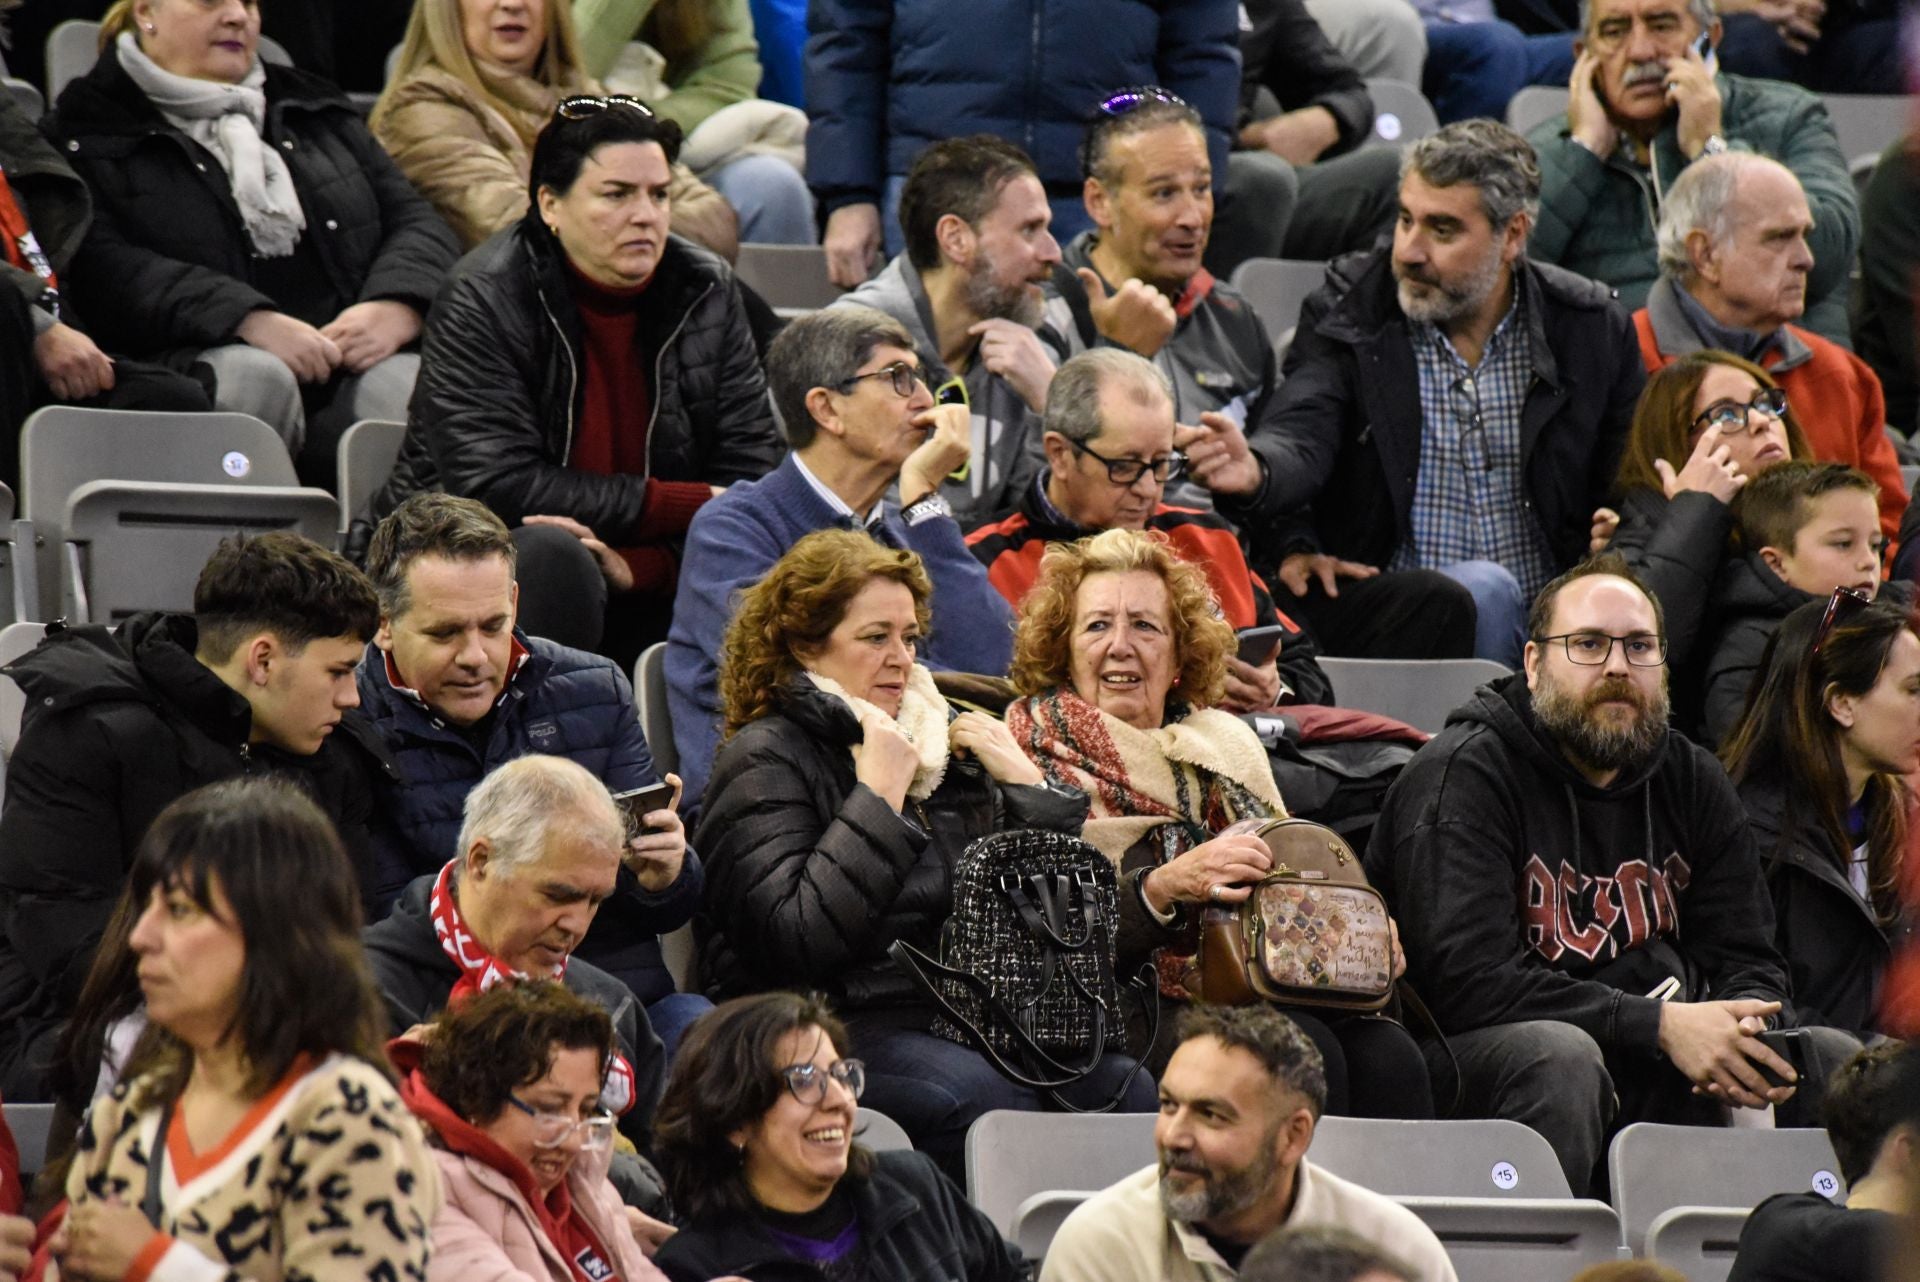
x: 540, y: 850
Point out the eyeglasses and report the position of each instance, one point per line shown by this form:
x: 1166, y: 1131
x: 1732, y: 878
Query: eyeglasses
x: 1128, y: 471
x: 586, y: 107
x: 1591, y: 649
x: 1843, y: 602
x: 1121, y: 101
x: 808, y: 1082
x: 1465, y: 393
x: 905, y: 377
x: 551, y: 1130
x: 1735, y: 419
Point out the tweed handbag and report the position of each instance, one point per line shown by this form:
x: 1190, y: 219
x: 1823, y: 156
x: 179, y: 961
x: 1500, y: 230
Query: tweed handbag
x: 1026, y: 967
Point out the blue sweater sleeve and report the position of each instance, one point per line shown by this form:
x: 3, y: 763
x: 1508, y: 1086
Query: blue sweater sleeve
x: 972, y: 624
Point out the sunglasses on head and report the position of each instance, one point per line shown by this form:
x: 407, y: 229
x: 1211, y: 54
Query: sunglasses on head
x: 586, y: 106
x: 1121, y: 101
x: 1843, y: 604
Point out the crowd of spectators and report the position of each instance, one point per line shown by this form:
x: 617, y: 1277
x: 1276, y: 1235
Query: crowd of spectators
x: 342, y: 902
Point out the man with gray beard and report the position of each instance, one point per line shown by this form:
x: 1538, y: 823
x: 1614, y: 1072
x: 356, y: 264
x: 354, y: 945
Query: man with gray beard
x: 975, y: 219
x: 1578, y: 894
x: 1450, y: 406
x: 1238, y: 1105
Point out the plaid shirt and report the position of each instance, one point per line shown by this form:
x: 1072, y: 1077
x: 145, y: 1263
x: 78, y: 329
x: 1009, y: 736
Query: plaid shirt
x: 1469, y: 499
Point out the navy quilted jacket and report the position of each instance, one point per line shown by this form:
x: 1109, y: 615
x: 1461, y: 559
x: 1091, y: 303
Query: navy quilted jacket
x: 885, y: 78
x: 563, y: 702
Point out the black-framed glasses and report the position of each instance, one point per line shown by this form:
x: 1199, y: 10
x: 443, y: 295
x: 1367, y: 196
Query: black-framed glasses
x: 587, y: 106
x: 1843, y: 603
x: 903, y: 376
x: 808, y: 1082
x: 1591, y: 649
x: 1464, y: 395
x: 1128, y: 471
x: 1121, y: 101
x: 551, y: 1130
x: 1736, y: 419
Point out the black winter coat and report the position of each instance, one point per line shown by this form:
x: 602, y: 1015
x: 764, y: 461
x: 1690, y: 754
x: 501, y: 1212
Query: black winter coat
x: 1677, y: 546
x: 1836, y: 949
x: 1749, y: 601
x: 501, y: 386
x: 167, y: 269
x: 1342, y: 434
x: 117, y: 728
x: 914, y: 1227
x: 810, y: 875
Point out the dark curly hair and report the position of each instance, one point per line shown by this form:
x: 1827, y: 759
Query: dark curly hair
x: 484, y: 1050
x: 724, y: 1078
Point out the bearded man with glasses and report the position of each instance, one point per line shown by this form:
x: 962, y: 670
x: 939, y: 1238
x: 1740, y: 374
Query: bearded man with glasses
x: 1578, y: 889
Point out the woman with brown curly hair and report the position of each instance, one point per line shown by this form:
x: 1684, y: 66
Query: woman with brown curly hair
x: 844, y: 793
x: 1119, y: 655
x: 1705, y: 426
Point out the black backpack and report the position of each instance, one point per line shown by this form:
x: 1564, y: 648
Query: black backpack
x: 1026, y: 968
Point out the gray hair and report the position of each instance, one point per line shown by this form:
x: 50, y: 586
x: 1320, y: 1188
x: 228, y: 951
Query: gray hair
x: 518, y: 807
x: 1702, y: 199
x: 1702, y: 11
x: 1483, y: 154
x: 823, y: 349
x: 1319, y: 1253
x: 1073, y: 398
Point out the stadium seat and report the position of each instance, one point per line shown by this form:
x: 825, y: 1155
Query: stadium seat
x: 74, y: 46
x: 19, y: 590
x: 1867, y: 124
x: 881, y: 1133
x: 1420, y: 692
x: 63, y: 447
x: 1655, y: 1168
x: 32, y: 1126
x: 1011, y: 1156
x: 1400, y: 114
x: 1910, y: 475
x: 1037, y: 1219
x: 1277, y: 287
x: 365, y: 460
x: 15, y: 640
x: 26, y: 95
x: 650, y: 697
x: 139, y: 545
x: 1700, y: 1241
x: 1535, y: 104
x: 1520, y: 1239
x: 792, y: 278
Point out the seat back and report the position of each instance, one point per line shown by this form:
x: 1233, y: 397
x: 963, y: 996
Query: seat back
x: 26, y: 95
x: 1910, y: 475
x: 32, y: 1128
x: 1485, y: 1159
x: 1401, y: 113
x: 881, y: 1133
x: 1277, y: 288
x: 1867, y: 124
x: 1420, y: 692
x: 365, y: 459
x: 15, y: 640
x: 1700, y: 1241
x: 1657, y: 1167
x: 792, y: 278
x: 1012, y: 1155
x: 1520, y: 1239
x: 650, y: 694
x: 136, y: 546
x: 1534, y: 105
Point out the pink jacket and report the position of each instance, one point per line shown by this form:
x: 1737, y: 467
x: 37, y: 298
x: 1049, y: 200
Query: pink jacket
x: 486, y: 1231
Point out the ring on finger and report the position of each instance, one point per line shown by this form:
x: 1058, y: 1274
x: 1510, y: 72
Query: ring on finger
x: 1213, y: 891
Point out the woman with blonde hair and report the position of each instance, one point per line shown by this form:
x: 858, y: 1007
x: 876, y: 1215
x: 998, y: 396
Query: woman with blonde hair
x: 1119, y: 656
x: 844, y: 793
x: 474, y: 82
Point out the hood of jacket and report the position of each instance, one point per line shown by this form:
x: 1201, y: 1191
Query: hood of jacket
x: 1748, y: 587
x: 149, y: 660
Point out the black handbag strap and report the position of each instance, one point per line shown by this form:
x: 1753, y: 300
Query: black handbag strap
x: 1412, y: 1005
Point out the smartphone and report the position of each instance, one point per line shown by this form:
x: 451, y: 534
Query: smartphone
x: 1786, y: 1043
x: 1704, y: 47
x: 1259, y: 646
x: 643, y: 801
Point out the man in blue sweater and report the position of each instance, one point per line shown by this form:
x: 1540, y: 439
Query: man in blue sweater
x: 849, y: 390
x: 456, y: 691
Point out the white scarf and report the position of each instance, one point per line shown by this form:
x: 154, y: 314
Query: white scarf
x: 923, y: 719
x: 227, y: 120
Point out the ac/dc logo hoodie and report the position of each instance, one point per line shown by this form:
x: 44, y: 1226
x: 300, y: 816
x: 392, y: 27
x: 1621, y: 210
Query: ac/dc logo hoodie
x: 1523, y: 892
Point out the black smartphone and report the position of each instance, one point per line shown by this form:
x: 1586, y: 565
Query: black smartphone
x: 1704, y: 47
x: 643, y: 801
x: 1786, y: 1043
x: 1258, y: 646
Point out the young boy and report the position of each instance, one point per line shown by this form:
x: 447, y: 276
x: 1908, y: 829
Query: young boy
x: 1804, y: 530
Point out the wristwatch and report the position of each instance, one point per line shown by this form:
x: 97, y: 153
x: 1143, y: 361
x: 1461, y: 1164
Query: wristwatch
x: 926, y: 508
x: 1713, y: 146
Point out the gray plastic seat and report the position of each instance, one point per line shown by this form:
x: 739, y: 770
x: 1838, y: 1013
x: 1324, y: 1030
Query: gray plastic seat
x: 1657, y: 1167
x: 1013, y: 1155
x: 1277, y: 288
x: 880, y: 1133
x: 15, y: 640
x: 1534, y: 105
x: 139, y: 545
x: 1420, y: 692
x: 1700, y: 1241
x: 365, y: 458
x: 32, y: 1127
x: 74, y: 46
x: 1867, y: 124
x: 1401, y: 113
x: 650, y: 699
x: 792, y: 278
x: 27, y: 95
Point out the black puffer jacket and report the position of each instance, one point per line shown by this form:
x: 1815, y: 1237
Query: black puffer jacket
x: 810, y: 875
x: 167, y: 269
x: 501, y: 386
x: 1749, y: 601
x: 117, y: 728
x: 1678, y: 546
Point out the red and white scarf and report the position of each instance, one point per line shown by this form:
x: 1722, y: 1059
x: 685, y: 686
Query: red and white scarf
x: 480, y: 970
